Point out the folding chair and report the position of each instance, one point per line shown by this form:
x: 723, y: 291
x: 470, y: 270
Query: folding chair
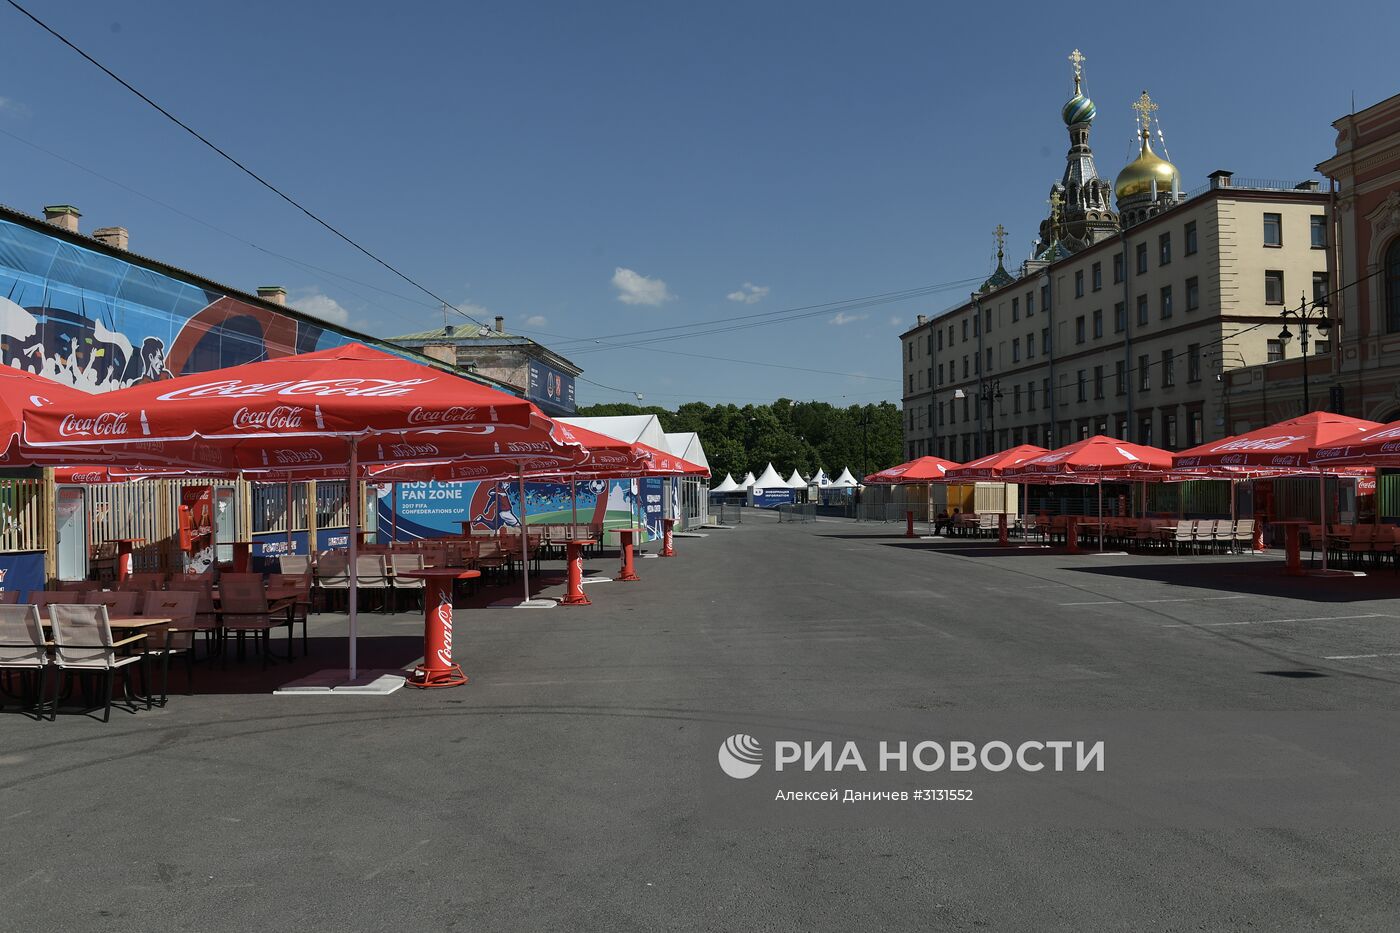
x: 23, y: 650
x: 83, y: 644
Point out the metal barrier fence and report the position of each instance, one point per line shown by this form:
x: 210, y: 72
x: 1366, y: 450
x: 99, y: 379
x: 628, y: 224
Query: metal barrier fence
x: 798, y: 512
x: 728, y: 513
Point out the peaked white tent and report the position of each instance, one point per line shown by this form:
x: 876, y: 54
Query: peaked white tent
x: 769, y: 480
x: 687, y: 446
x: 748, y: 481
x: 845, y: 480
x: 795, y: 481
x: 645, y: 429
x: 726, y: 485
x: 821, y: 479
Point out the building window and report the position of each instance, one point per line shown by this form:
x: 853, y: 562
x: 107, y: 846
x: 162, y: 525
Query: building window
x: 1015, y: 349
x: 930, y: 377
x: 1016, y: 399
x: 1393, y: 286
x: 1045, y: 393
x: 951, y: 336
x: 940, y: 373
x: 976, y: 365
x: 1120, y: 374
x: 1079, y: 283
x: 910, y: 347
x: 965, y: 367
x: 1098, y: 323
x: 1030, y: 345
x: 964, y: 414
x: 976, y: 324
x: 1030, y: 303
x: 1079, y: 331
x: 1317, y: 226
x: 1193, y: 363
x: 1045, y: 341
x: 1195, y: 424
x: 1142, y: 258
x: 1164, y: 249
x: 1193, y: 293
x: 911, y: 384
x: 940, y: 340
x: 1096, y: 276
x: 1045, y: 298
x: 964, y: 324
x: 1145, y: 430
x: 1320, y: 288
x: 1030, y: 396
x: 1168, y: 369
x: 1322, y: 347
x: 1273, y: 229
x: 1120, y: 318
x: 1117, y: 268
x: 1098, y: 382
x: 952, y: 413
x: 1191, y: 238
x: 1275, y: 351
x: 987, y: 323
x: 1169, y: 430
x: 1165, y: 298
x: 989, y: 359
x: 1015, y: 309
x: 1142, y: 311
x: 1144, y: 374
x: 1082, y: 387
x: 1273, y: 287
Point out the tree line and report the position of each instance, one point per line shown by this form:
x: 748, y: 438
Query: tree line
x: 801, y: 435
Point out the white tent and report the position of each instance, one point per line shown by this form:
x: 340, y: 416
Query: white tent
x: 687, y: 446
x: 795, y: 481
x: 821, y: 479
x: 645, y: 429
x: 748, y: 481
x: 845, y: 480
x: 769, y: 480
x: 726, y: 485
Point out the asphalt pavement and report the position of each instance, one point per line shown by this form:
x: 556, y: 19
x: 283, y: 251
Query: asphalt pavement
x: 563, y: 788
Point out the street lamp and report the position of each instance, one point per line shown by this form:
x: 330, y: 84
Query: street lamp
x: 1307, y: 314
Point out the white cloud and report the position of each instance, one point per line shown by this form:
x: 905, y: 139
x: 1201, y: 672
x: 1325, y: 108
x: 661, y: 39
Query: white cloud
x: 633, y: 288
x: 323, y: 307
x: 537, y: 320
x: 749, y: 294
x: 896, y: 320
x: 10, y: 105
x: 842, y: 318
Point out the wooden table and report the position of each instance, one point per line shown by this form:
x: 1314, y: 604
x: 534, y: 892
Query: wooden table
x: 438, y: 668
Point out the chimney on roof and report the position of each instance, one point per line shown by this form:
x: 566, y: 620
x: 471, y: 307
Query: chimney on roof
x: 500, y: 324
x: 1311, y: 184
x: 115, y: 237
x: 923, y: 319
x: 62, y: 215
x: 449, y: 329
x: 273, y: 293
x: 1220, y: 178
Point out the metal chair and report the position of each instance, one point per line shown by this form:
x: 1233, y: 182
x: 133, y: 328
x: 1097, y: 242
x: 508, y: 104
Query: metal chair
x: 83, y: 644
x: 243, y: 609
x: 23, y: 650
x: 181, y: 607
x: 118, y: 602
x: 399, y: 563
x: 300, y: 610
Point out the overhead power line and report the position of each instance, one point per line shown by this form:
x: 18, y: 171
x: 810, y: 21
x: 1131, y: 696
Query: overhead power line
x: 239, y: 165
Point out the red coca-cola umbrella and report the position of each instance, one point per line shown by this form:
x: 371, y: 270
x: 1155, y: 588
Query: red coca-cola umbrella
x: 992, y: 466
x: 315, y: 410
x: 22, y: 392
x: 1376, y: 447
x: 922, y: 470
x: 1285, y: 447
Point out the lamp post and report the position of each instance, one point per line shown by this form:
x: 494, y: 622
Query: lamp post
x: 989, y: 390
x: 1308, y: 314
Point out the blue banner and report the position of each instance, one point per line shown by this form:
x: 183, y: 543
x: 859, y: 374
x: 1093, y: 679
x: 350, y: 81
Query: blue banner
x: 22, y: 571
x: 550, y: 389
x: 435, y: 510
x: 771, y: 498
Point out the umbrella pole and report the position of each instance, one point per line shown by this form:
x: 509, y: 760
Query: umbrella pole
x: 291, y: 548
x: 524, y: 538
x: 1100, y: 485
x: 352, y: 487
x: 1322, y: 513
x: 1233, y: 520
x: 394, y: 518
x: 573, y: 505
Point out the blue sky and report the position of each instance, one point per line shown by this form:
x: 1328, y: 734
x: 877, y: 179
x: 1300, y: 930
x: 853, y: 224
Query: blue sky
x: 597, y: 169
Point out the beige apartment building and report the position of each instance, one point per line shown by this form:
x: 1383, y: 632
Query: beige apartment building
x: 1121, y: 323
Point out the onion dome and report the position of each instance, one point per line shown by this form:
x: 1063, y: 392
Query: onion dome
x: 1078, y: 109
x: 1137, y: 177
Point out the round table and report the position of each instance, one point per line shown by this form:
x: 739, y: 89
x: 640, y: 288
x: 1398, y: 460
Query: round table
x: 666, y: 549
x: 124, y: 548
x: 438, y: 669
x: 574, y: 555
x: 628, y: 572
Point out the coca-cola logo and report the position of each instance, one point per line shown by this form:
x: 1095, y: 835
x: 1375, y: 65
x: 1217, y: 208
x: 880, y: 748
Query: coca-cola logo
x: 1262, y: 443
x: 403, y: 451
x: 94, y: 477
x: 320, y: 388
x: 107, y: 424
x: 444, y: 615
x: 278, y: 418
x: 1233, y: 459
x: 526, y: 447
x: 466, y: 472
x: 453, y: 415
x: 288, y: 457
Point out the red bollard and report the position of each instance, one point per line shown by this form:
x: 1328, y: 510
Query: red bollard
x: 908, y: 524
x: 1258, y: 536
x: 575, y: 596
x: 1002, y: 538
x: 629, y: 569
x: 1072, y: 534
x: 438, y: 668
x: 666, y: 549
x: 1293, y: 550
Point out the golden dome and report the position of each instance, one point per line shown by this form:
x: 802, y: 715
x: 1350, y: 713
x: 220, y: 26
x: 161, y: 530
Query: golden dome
x: 1137, y: 177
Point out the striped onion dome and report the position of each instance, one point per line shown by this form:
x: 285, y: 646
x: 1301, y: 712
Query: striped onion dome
x: 1078, y: 109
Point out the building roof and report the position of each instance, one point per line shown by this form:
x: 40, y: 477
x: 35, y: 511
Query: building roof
x: 470, y: 335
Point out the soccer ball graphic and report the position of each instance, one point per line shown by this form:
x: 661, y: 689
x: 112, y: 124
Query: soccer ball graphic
x: 597, y: 487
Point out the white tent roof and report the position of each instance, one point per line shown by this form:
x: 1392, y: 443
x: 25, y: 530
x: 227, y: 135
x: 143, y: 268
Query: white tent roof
x: 687, y: 446
x: 770, y: 479
x: 630, y: 428
x: 821, y: 479
x: 845, y: 480
x: 748, y: 480
x: 795, y: 481
x: 726, y: 485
